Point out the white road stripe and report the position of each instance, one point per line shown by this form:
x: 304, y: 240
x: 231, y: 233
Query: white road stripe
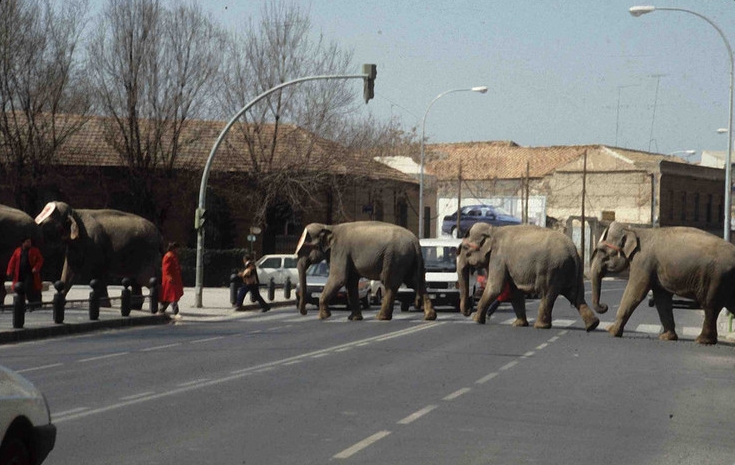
x: 209, y: 339
x: 457, y: 393
x: 415, y: 416
x: 509, y: 365
x: 102, y: 357
x: 193, y: 382
x: 487, y: 378
x: 136, y: 396
x: 651, y: 329
x: 167, y: 346
x: 69, y: 412
x: 43, y: 367
x: 350, y: 451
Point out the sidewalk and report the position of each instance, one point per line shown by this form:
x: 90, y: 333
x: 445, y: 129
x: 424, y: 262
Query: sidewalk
x: 40, y: 323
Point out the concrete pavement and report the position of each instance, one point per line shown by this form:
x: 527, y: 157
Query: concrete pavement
x: 40, y: 323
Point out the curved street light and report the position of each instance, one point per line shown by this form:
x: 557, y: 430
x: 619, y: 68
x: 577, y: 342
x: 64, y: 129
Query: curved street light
x: 479, y: 89
x: 641, y: 10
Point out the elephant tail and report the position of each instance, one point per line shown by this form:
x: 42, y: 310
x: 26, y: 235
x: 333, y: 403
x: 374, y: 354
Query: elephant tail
x: 420, y: 268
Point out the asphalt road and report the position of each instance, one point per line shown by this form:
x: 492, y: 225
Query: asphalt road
x: 279, y: 388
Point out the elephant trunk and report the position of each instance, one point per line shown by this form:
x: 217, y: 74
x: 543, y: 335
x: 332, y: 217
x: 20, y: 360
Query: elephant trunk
x: 302, y: 265
x: 597, y: 272
x: 463, y: 275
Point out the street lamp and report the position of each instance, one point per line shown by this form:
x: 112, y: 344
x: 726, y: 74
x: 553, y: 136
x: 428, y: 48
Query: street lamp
x: 641, y: 10
x: 480, y: 89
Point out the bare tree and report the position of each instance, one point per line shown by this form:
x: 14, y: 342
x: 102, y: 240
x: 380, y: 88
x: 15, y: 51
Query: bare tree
x: 153, y: 70
x: 40, y: 87
x: 286, y: 133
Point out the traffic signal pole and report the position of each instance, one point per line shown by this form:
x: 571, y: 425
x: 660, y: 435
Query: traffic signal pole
x: 368, y: 75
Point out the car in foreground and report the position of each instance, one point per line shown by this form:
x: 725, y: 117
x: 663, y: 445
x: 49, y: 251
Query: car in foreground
x: 471, y: 214
x: 279, y: 267
x: 316, y: 278
x: 442, y: 282
x: 377, y: 291
x: 25, y: 421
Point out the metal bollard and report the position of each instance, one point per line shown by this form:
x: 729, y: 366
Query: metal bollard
x: 19, y: 306
x: 271, y: 289
x: 94, y: 300
x: 59, y: 302
x: 234, y: 284
x: 287, y: 288
x: 125, y: 297
x: 153, y: 295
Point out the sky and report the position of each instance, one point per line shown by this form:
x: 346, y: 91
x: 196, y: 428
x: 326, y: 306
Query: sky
x: 558, y: 72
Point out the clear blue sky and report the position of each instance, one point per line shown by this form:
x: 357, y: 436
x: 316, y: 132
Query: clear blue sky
x: 559, y: 72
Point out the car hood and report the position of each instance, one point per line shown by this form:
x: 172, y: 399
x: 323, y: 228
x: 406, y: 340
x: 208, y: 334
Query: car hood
x: 19, y: 397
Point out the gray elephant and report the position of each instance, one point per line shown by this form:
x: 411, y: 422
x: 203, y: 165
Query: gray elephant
x: 15, y: 225
x: 372, y: 249
x: 534, y: 260
x: 102, y: 244
x: 684, y: 261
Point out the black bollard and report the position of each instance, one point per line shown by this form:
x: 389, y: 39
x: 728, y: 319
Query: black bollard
x: 94, y: 300
x: 154, y: 295
x: 234, y: 285
x: 19, y: 306
x: 287, y: 288
x: 125, y: 297
x: 271, y: 289
x: 59, y: 302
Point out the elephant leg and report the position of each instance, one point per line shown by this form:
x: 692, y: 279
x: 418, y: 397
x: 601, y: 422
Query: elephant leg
x: 519, y: 307
x: 543, y: 321
x: 591, y: 322
x: 633, y: 295
x: 353, y: 300
x: 708, y: 335
x: 429, y: 312
x: 386, y: 306
x: 664, y: 306
x: 331, y: 287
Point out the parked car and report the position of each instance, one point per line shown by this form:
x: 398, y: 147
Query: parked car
x: 676, y: 302
x: 442, y: 285
x: 376, y: 291
x: 316, y: 278
x: 472, y: 214
x: 25, y: 421
x: 278, y: 267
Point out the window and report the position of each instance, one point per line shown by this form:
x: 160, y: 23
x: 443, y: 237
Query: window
x: 289, y: 263
x: 273, y: 262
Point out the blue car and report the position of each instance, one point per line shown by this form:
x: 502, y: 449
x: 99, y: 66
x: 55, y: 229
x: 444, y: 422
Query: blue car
x: 472, y: 214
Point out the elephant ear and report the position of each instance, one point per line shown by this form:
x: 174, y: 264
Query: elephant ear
x: 629, y: 243
x: 73, y: 228
x: 311, y: 237
x: 325, y: 239
x: 47, y: 211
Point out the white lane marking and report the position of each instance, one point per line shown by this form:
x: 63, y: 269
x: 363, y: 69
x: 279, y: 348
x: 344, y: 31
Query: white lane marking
x: 457, y: 393
x: 43, y: 367
x: 209, y: 339
x: 554, y: 339
x: 530, y: 353
x: 652, y: 329
x: 542, y: 346
x: 294, y: 362
x: 70, y: 412
x: 102, y: 357
x: 487, y: 378
x: 416, y: 415
x: 193, y: 382
x: 352, y: 450
x: 319, y: 355
x: 509, y: 365
x: 561, y: 323
x: 167, y: 346
x: 135, y: 396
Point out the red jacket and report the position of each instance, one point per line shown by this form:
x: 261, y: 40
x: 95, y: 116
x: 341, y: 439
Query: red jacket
x: 172, y: 288
x: 36, y: 260
x: 506, y: 295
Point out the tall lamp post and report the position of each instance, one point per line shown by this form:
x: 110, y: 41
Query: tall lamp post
x: 641, y: 10
x: 480, y: 89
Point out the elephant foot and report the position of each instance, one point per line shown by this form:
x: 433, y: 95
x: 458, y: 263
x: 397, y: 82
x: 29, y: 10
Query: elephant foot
x: 302, y: 311
x: 479, y: 318
x: 383, y: 316
x: 542, y: 324
x: 706, y: 340
x: 592, y: 324
x: 323, y: 315
x: 355, y: 317
x: 430, y: 316
x: 520, y: 322
x: 615, y: 330
x: 668, y: 336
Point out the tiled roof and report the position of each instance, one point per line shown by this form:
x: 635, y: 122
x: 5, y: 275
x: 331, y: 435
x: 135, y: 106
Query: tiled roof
x: 508, y: 160
x: 89, y: 147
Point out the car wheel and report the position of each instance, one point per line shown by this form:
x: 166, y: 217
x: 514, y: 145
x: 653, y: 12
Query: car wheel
x: 378, y: 299
x: 454, y: 232
x: 405, y: 305
x: 14, y: 450
x: 365, y: 302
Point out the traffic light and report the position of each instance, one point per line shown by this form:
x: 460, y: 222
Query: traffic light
x: 371, y: 72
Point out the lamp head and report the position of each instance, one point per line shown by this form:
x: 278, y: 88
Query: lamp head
x: 641, y: 10
x: 480, y: 89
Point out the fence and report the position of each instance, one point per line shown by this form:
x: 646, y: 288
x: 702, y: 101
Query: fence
x: 97, y: 298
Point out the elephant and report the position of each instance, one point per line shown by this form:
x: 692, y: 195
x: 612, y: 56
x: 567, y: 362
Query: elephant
x: 373, y: 249
x: 15, y: 226
x: 677, y: 260
x: 534, y: 260
x: 102, y: 244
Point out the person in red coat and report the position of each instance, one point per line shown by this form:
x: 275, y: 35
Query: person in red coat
x: 25, y: 266
x: 172, y: 288
x: 506, y: 295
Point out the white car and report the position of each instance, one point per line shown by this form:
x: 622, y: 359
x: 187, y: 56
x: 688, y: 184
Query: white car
x: 376, y: 291
x: 316, y: 277
x: 25, y: 421
x: 278, y: 267
x: 442, y: 282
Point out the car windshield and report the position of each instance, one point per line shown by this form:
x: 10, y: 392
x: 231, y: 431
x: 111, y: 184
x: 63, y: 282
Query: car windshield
x: 440, y: 257
x: 318, y: 269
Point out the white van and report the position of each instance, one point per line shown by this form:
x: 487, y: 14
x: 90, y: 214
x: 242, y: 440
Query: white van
x: 278, y: 267
x: 442, y: 282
